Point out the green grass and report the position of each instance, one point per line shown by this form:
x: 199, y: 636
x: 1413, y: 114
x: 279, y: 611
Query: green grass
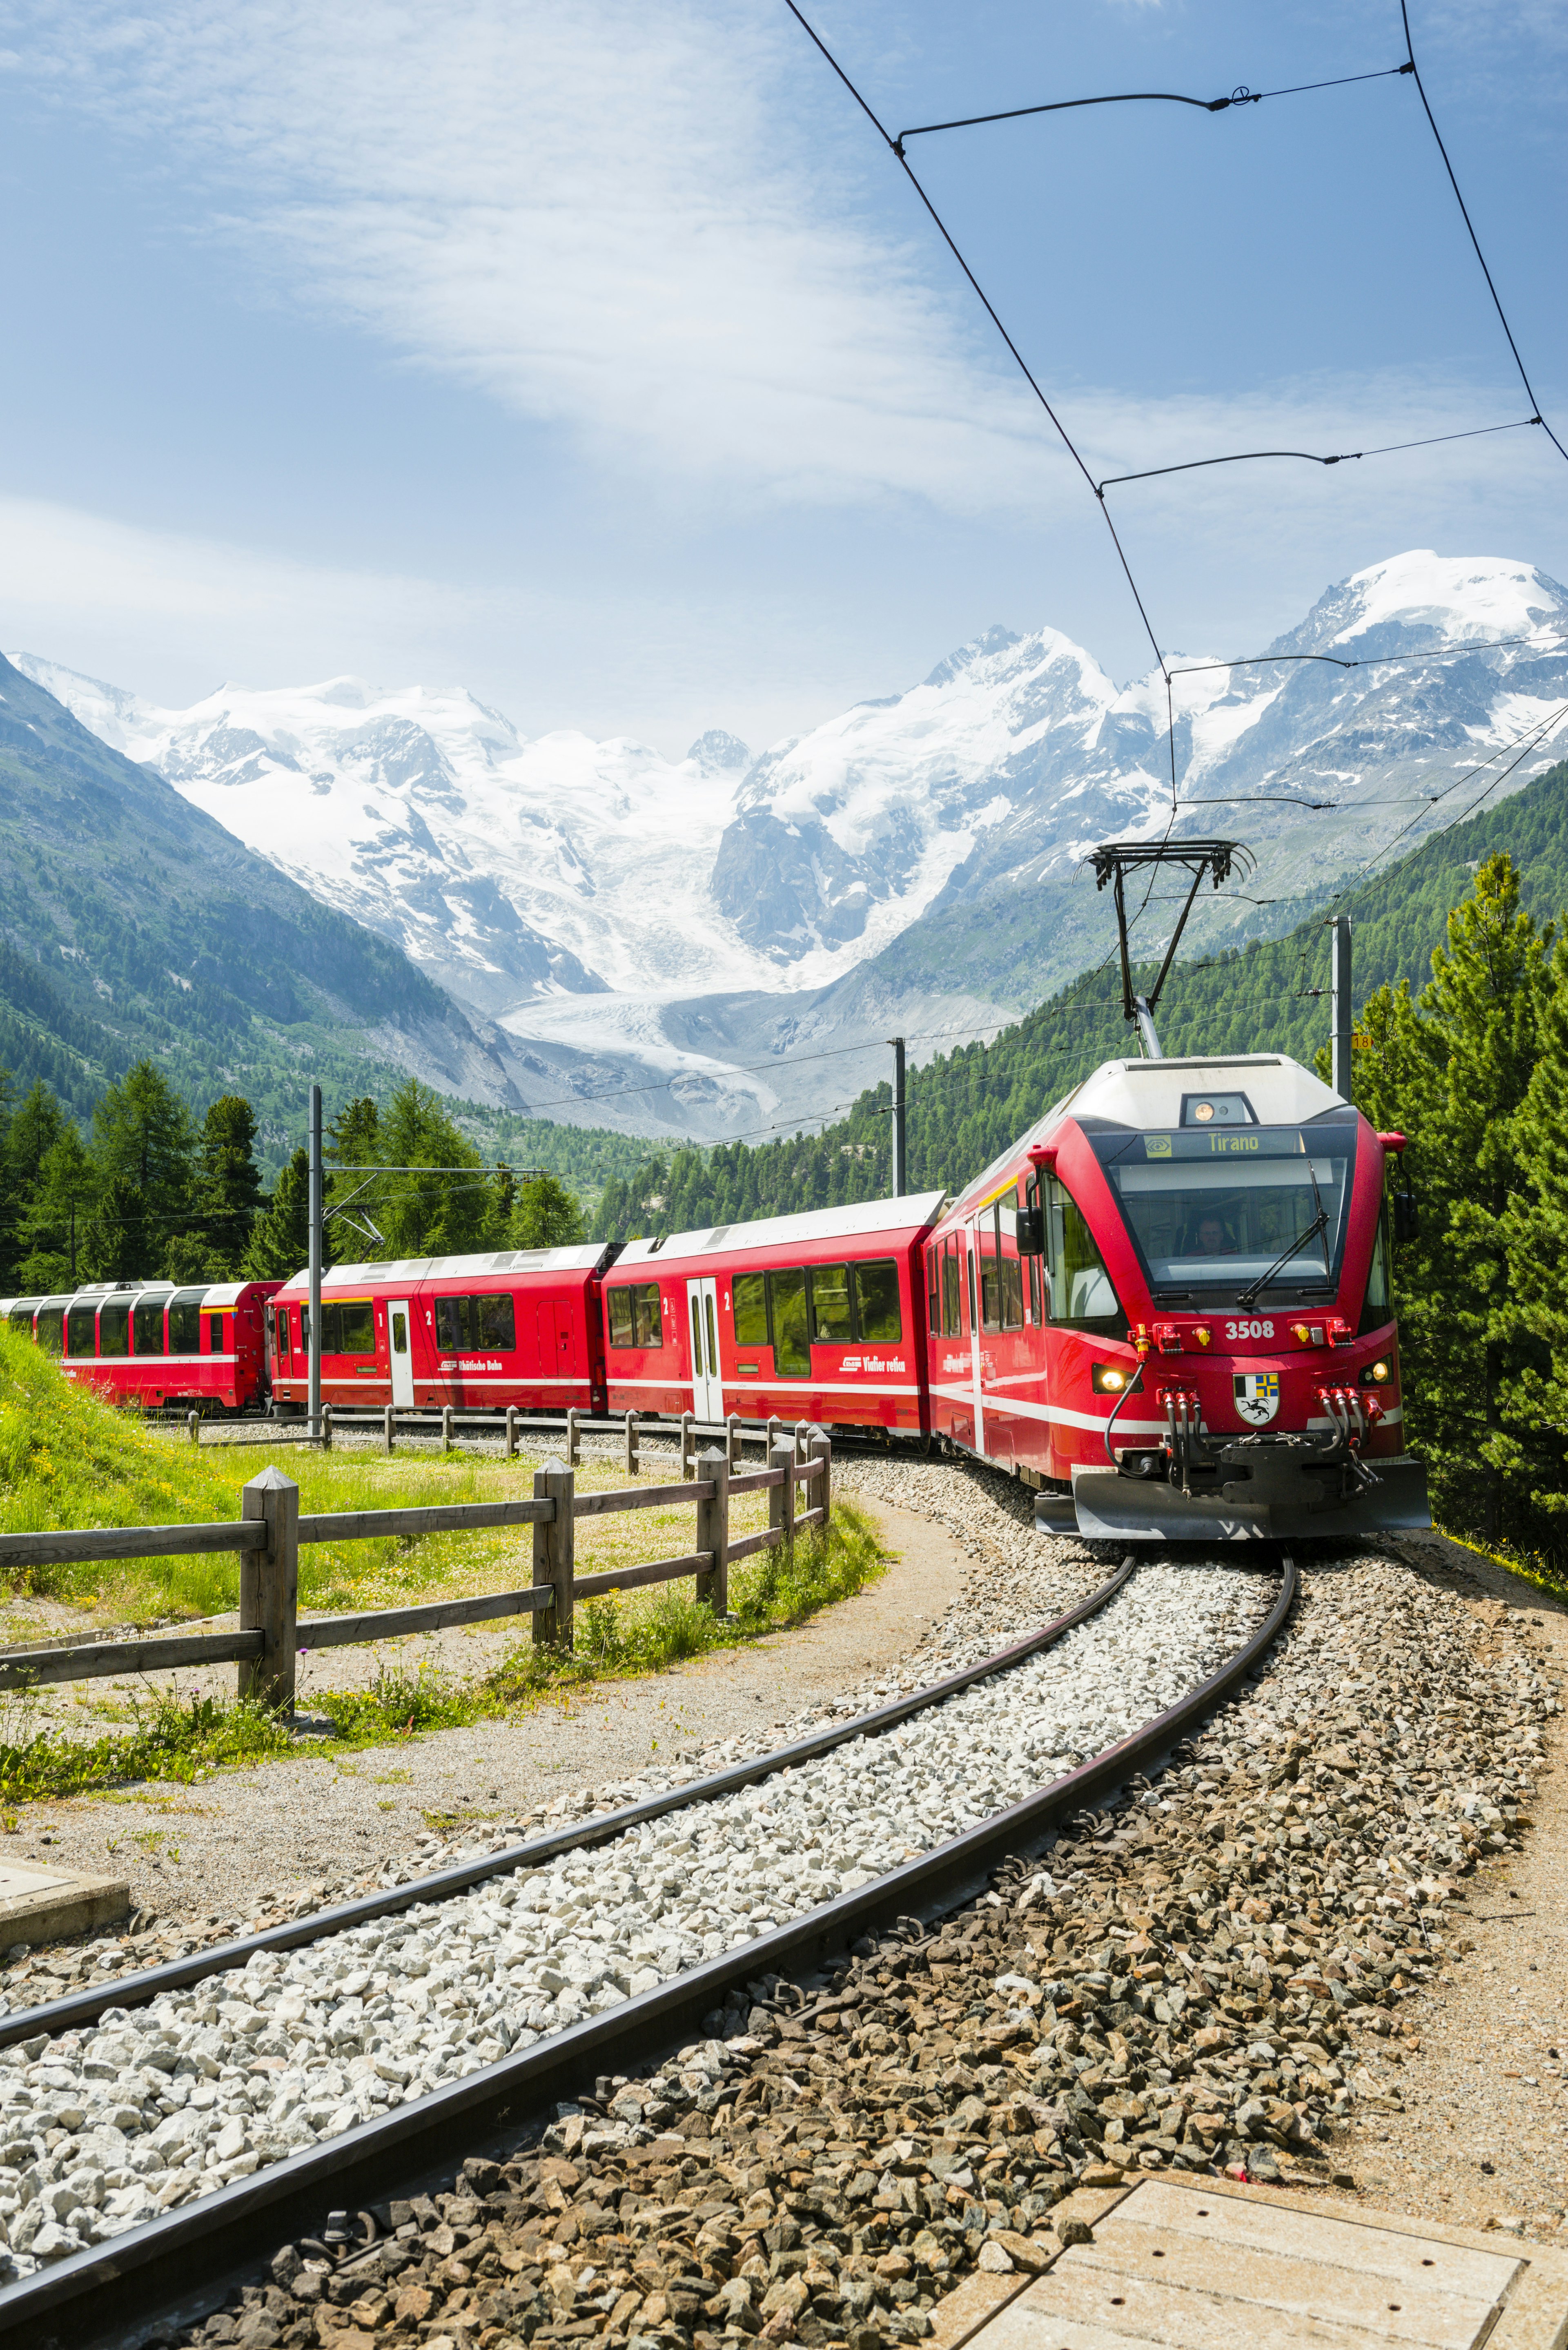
x: 68, y: 1460
x: 174, y: 1741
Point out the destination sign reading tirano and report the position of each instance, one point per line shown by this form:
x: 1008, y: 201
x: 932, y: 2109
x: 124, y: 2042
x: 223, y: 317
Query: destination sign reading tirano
x: 1254, y: 1142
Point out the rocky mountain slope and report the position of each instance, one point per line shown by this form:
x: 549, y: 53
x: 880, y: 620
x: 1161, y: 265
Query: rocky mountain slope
x: 131, y: 923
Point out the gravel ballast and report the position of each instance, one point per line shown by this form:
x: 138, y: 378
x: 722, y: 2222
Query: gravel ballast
x: 1213, y: 1972
x: 158, y: 2105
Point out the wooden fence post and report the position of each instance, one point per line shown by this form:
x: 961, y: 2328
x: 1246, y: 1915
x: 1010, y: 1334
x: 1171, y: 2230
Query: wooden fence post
x: 781, y: 1498
x: 574, y: 1441
x: 388, y: 1428
x: 633, y: 1446
x: 269, y: 1588
x: 733, y: 1440
x: 512, y: 1431
x: 555, y: 1551
x: 446, y: 1428
x: 802, y: 1430
x: 822, y: 1485
x: 688, y: 1422
x: 714, y: 1531
x: 327, y: 1428
x: 193, y: 1425
x: 771, y: 1439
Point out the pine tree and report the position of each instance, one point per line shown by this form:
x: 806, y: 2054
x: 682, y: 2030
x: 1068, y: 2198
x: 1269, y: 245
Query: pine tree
x: 1453, y: 1072
x: 227, y: 1187
x: 143, y: 1147
x: 1537, y: 1229
x: 546, y: 1216
x: 116, y: 1245
x: 64, y: 1188
x: 279, y: 1243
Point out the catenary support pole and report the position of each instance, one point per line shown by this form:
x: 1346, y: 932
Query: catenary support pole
x: 1343, y: 1013
x: 313, y: 1406
x: 900, y: 1130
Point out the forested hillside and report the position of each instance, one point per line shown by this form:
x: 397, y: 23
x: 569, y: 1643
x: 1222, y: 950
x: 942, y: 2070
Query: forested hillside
x: 132, y: 926
x: 966, y: 1105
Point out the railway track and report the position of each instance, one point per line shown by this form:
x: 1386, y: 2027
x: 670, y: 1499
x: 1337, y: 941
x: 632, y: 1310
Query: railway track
x: 979, y: 1754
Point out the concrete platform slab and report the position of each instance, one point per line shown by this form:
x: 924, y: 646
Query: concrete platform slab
x: 44, y: 1904
x: 1215, y: 2265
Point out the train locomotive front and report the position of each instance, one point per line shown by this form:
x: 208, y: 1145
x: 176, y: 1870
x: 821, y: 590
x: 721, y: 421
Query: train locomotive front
x: 1205, y: 1246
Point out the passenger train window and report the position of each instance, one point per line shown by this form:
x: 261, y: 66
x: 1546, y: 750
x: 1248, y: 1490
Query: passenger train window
x: 488, y: 1321
x: 147, y: 1324
x: 877, y: 1313
x: 48, y: 1329
x: 1377, y: 1306
x: 114, y: 1328
x: 830, y: 1323
x: 81, y: 1330
x: 348, y: 1327
x: 634, y: 1316
x: 749, y: 1294
x: 20, y: 1318
x: 399, y: 1332
x: 1082, y: 1291
x: 990, y: 1286
x: 952, y: 1311
x: 1009, y: 1272
x: 185, y: 1322
x: 214, y: 1334
x: 786, y: 1305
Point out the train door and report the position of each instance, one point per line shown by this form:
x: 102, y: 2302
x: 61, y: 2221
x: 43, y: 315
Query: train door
x: 707, y: 1388
x: 400, y: 1350
x: 565, y: 1369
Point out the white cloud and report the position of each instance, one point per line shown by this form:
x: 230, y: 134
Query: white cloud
x: 619, y: 221
x: 606, y: 217
x: 146, y: 604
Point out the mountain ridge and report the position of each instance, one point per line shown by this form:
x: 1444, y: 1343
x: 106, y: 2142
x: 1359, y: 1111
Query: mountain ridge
x: 681, y: 933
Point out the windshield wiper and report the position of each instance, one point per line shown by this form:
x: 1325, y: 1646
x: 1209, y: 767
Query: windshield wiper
x: 1247, y: 1297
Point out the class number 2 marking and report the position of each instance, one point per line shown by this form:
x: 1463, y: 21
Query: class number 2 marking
x: 1249, y: 1329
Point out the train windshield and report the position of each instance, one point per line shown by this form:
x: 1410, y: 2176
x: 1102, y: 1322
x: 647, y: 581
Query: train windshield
x: 1222, y: 1211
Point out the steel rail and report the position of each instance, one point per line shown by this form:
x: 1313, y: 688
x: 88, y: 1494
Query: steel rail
x: 110, y: 2293
x: 80, y: 2008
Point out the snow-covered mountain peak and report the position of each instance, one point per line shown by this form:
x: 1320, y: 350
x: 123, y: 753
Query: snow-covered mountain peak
x: 1422, y: 598
x: 607, y: 903
x: 716, y: 752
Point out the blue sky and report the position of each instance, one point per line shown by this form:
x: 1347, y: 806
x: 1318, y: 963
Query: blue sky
x: 600, y: 359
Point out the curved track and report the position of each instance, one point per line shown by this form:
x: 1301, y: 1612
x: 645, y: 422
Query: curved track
x: 114, y: 2290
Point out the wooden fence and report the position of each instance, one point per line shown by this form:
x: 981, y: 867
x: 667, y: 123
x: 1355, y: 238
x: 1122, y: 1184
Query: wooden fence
x: 270, y: 1531
x: 450, y: 1421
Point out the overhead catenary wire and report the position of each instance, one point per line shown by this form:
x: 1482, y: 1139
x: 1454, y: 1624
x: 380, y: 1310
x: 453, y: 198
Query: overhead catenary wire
x: 889, y: 141
x: 1308, y: 457
x: 1240, y: 95
x: 1469, y: 224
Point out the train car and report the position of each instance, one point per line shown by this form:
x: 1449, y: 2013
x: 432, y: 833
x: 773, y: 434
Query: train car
x: 1169, y: 1306
x: 521, y: 1328
x: 817, y: 1316
x: 154, y: 1344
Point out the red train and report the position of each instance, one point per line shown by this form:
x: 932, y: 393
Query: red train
x: 155, y: 1345
x: 1167, y: 1308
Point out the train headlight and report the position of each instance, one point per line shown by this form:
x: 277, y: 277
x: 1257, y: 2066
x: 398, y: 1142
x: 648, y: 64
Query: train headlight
x: 1106, y: 1379
x: 1375, y: 1375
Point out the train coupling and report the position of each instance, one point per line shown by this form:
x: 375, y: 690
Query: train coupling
x: 1257, y: 1486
